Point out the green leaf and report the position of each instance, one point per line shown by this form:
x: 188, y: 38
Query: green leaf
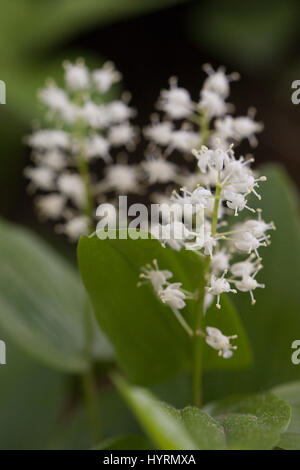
x: 290, y: 392
x: 43, y: 306
x: 150, y: 344
x: 127, y: 442
x: 205, y: 431
x: 251, y: 422
x: 31, y: 400
x: 273, y: 322
x: 163, y: 428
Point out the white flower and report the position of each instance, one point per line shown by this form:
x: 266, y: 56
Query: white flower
x: 50, y: 206
x: 97, y: 146
x: 76, y: 75
x: 248, y: 284
x: 218, y: 286
x: 75, y: 227
x: 212, y: 103
x: 71, y: 185
x: 122, y: 178
x: 159, y: 170
x: 247, y: 242
x: 119, y: 111
x: 198, y: 197
x: 258, y: 227
x: 122, y: 134
x: 220, y: 342
x: 219, y: 159
x: 224, y: 128
x: 217, y: 81
x: 174, y: 234
x: 204, y: 157
x: 208, y: 300
x: 176, y: 102
x: 245, y: 268
x: 40, y: 178
x: 97, y: 116
x: 105, y: 77
x: 246, y: 127
x: 173, y: 296
x: 53, y: 159
x: 236, y: 201
x: 54, y: 97
x: 157, y: 277
x: 49, y: 139
x: 159, y: 132
x: 184, y: 140
x: 219, y: 262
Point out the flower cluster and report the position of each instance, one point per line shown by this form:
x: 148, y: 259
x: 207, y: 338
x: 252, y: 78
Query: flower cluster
x: 218, y: 187
x: 83, y: 127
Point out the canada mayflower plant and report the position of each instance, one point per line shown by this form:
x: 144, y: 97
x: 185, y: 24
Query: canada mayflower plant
x: 192, y: 169
x: 82, y: 127
x: 217, y: 189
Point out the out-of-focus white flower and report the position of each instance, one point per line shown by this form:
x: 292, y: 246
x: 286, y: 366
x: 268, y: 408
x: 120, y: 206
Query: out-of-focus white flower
x: 105, y: 77
x: 54, y: 97
x: 176, y: 101
x: 184, y: 140
x: 97, y: 146
x: 220, y: 342
x: 40, y: 177
x: 75, y: 227
x: 76, y: 75
x: 159, y: 132
x: 50, y: 206
x: 49, y: 139
x: 53, y: 159
x: 122, y: 134
x: 245, y: 127
x: 97, y: 116
x: 71, y: 185
x: 219, y: 262
x: 217, y: 81
x: 119, y: 111
x: 159, y: 170
x: 212, y: 104
x: 122, y: 178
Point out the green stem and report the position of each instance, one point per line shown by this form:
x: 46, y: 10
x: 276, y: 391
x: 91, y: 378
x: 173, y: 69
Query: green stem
x: 214, y: 221
x: 89, y: 382
x: 92, y: 404
x: 204, y: 128
x: 84, y: 171
x: 198, y: 342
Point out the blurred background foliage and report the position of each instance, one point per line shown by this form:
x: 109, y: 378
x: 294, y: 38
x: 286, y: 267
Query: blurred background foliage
x: 150, y: 41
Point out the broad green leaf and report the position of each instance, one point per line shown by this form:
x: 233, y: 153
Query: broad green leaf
x: 127, y: 442
x: 165, y: 430
x: 251, y: 422
x: 43, y: 306
x: 32, y: 399
x: 290, y: 392
x: 150, y: 344
x: 205, y: 431
x: 273, y: 322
